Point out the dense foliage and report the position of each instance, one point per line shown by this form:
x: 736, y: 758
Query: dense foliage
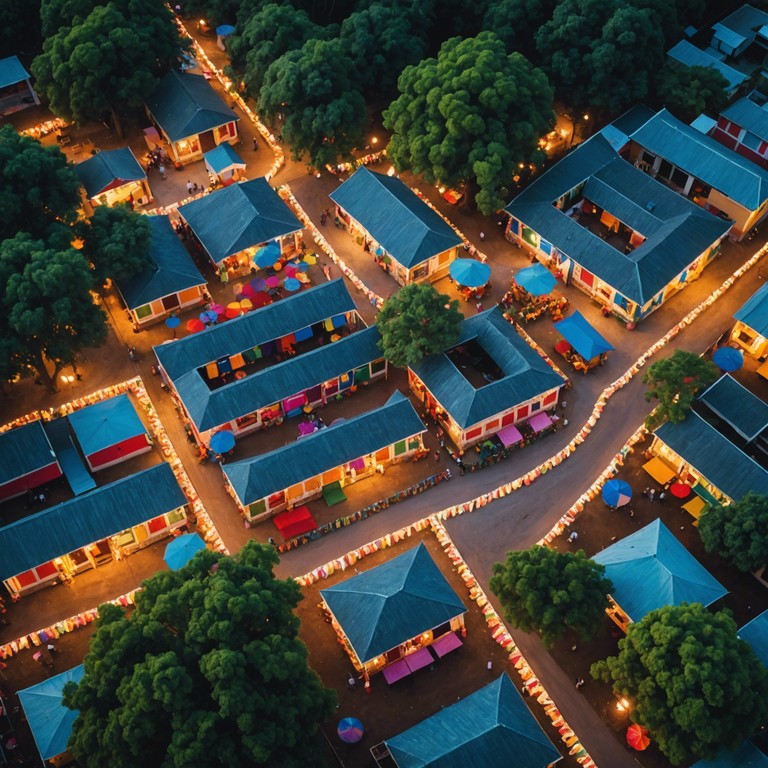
x: 689, y: 91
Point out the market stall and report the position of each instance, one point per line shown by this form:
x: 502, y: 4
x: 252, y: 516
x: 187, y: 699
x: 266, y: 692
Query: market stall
x: 586, y: 348
x: 27, y: 460
x: 224, y: 164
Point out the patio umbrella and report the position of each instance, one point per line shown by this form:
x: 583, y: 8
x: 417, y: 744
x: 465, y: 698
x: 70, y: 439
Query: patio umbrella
x: 261, y: 299
x: 272, y: 281
x: 291, y: 284
x: 234, y: 309
x: 268, y: 255
x: 310, y: 258
x: 182, y: 549
x: 258, y: 284
x: 470, y: 273
x: 246, y: 305
x: 225, y: 30
x: 680, y: 490
x: 637, y: 737
x: 302, y: 266
x: 350, y: 730
x: 290, y: 270
x: 205, y: 317
x: 246, y: 293
x: 537, y: 280
x: 172, y: 321
x: 617, y: 493
x: 195, y: 325
x: 218, y: 309
x: 223, y: 441
x: 728, y: 359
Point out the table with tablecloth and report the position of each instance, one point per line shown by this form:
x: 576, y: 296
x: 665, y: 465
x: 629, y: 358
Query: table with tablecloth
x: 659, y: 471
x: 294, y: 522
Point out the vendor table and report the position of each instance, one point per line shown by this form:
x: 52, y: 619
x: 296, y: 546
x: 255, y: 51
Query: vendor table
x: 396, y: 671
x: 447, y: 643
x: 658, y: 470
x: 418, y: 659
x: 695, y: 506
x: 294, y: 522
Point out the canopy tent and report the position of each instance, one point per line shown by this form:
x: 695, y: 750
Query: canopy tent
x: 222, y: 161
x: 537, y: 280
x: 587, y: 342
x: 470, y: 273
x: 49, y: 720
x: 182, y: 549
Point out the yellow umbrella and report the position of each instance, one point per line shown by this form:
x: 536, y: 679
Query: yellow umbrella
x: 246, y: 304
x: 310, y: 258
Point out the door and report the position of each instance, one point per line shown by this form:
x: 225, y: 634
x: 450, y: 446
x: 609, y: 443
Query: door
x: 207, y: 141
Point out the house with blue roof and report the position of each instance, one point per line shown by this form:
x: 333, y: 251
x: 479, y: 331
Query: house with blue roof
x: 190, y: 116
x: 16, y: 91
x: 755, y: 632
x: 751, y: 329
x: 492, y: 726
x: 687, y: 54
x: 490, y: 380
x: 114, y: 176
x: 743, y: 127
x: 746, y: 755
x: 612, y: 230
x: 224, y: 164
x: 169, y: 283
x: 27, y: 460
x: 408, y: 238
x: 743, y: 411
x: 232, y: 223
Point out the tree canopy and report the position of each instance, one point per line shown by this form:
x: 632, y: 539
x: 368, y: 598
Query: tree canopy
x: 692, y: 682
x: 469, y: 116
x: 689, y: 91
x: 674, y: 381
x: 417, y: 321
x: 515, y: 23
x: 738, y: 532
x: 550, y: 592
x: 207, y: 670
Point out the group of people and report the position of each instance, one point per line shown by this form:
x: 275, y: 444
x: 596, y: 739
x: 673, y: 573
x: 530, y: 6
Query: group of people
x: 157, y: 158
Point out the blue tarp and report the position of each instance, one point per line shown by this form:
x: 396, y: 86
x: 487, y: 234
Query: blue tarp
x: 755, y: 633
x: 582, y: 336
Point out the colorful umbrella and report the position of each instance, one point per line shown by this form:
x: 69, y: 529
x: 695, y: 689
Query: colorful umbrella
x: 205, y: 317
x: 195, y: 325
x: 234, y: 309
x: 182, y: 549
x: 246, y: 293
x: 728, y: 359
x: 350, y: 730
x: 268, y: 255
x: 310, y: 258
x: 261, y: 299
x: 223, y: 441
x: 290, y: 270
x: 246, y: 305
x: 302, y: 266
x: 172, y: 321
x: 272, y: 281
x: 617, y: 493
x: 680, y: 490
x: 537, y: 280
x: 258, y: 284
x: 470, y: 273
x: 218, y: 309
x: 291, y: 284
x: 637, y: 737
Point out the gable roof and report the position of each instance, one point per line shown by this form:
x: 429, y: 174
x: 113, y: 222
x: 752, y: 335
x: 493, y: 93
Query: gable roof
x: 688, y: 54
x: 105, y: 423
x: 737, y: 406
x: 716, y: 165
x: 714, y: 456
x: 405, y: 226
x: 755, y: 632
x: 23, y: 450
x: 108, y: 168
x: 754, y: 311
x: 651, y: 569
x: 12, y: 71
x: 185, y: 105
x: 274, y: 321
x: 91, y: 517
x: 748, y: 115
x: 330, y: 447
x: 239, y: 216
x: 222, y: 158
x: 745, y: 21
x: 383, y: 607
x: 170, y: 271
x: 492, y: 726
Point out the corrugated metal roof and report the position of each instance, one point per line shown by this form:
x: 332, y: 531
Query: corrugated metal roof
x: 104, y: 168
x: 222, y: 158
x: 260, y: 476
x: 633, y: 118
x: 12, y: 71
x: 526, y: 373
x: 185, y: 105
x: 239, y: 216
x: 755, y: 632
x: 651, y: 569
x: 746, y: 755
x: 745, y: 21
x: 257, y: 327
x: 406, y: 227
x: 748, y: 115
x: 23, y: 450
x: 100, y: 513
x: 704, y: 124
x: 737, y: 406
x: 729, y: 36
x: 383, y: 607
x: 492, y: 726
x: 703, y: 157
x: 715, y: 457
x: 105, y: 423
x: 688, y: 54
x: 754, y: 311
x: 171, y: 269
x: 210, y: 408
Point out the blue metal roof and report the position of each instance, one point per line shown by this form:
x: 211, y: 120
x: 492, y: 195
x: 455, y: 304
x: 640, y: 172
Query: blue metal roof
x: 688, y: 54
x: 737, y: 406
x: 23, y: 450
x: 706, y: 159
x: 633, y: 118
x: 748, y: 115
x: 715, y: 457
x: 745, y: 21
x: 106, y: 167
x: 170, y: 271
x: 746, y: 755
x: 185, y: 105
x: 222, y: 158
x: 103, y: 512
x: 12, y: 71
x: 239, y: 216
x: 526, y: 373
x: 330, y: 447
x: 651, y: 569
x: 492, y: 726
x: 383, y: 607
x: 754, y: 311
x: 585, y: 339
x: 209, y: 408
x: 405, y: 226
x: 755, y: 632
x: 106, y: 423
x: 274, y: 321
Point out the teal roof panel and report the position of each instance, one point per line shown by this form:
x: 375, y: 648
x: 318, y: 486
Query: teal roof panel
x: 585, y: 339
x: 106, y: 423
x: 755, y: 632
x: 107, y: 167
x: 754, y: 311
x: 222, y: 158
x: 688, y: 54
x: 748, y: 115
x: 746, y: 755
x: 737, y: 406
x: 12, y: 71
x: 23, y: 450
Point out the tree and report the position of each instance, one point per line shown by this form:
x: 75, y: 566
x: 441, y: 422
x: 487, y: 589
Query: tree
x: 208, y: 670
x: 38, y: 189
x: 550, y: 592
x: 47, y: 308
x: 689, y: 91
x: 469, y: 116
x: 692, y: 682
x: 417, y: 321
x: 515, y: 23
x: 55, y: 14
x: 116, y: 242
x: 20, y: 21
x: 324, y: 116
x: 738, y: 531
x: 108, y: 63
x: 674, y: 382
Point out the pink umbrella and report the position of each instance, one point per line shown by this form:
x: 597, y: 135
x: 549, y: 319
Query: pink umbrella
x: 290, y: 270
x: 218, y: 309
x: 273, y: 281
x: 247, y: 291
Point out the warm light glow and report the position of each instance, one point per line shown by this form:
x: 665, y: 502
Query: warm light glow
x: 67, y: 378
x: 374, y: 140
x: 622, y: 705
x: 586, y: 116
x: 391, y: 171
x: 521, y: 165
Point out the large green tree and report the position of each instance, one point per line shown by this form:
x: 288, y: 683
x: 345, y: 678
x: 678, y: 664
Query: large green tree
x: 689, y: 91
x: 691, y: 681
x: 207, y: 670
x: 311, y: 88
x: 515, y: 23
x: 674, y: 381
x: 469, y: 116
x: 551, y: 592
x: 55, y: 14
x: 417, y: 321
x: 738, y: 531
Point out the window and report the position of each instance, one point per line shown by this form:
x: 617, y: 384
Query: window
x: 399, y: 447
x: 421, y: 271
x: 143, y: 312
x: 679, y: 178
x: 522, y: 412
x: 257, y: 508
x: 647, y: 157
x: 665, y: 169
x: 535, y: 407
x: 751, y: 141
x: 377, y: 366
x: 550, y: 398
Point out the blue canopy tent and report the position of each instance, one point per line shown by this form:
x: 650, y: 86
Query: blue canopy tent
x: 587, y: 342
x: 49, y: 720
x: 182, y: 549
x: 223, y: 162
x: 470, y: 273
x: 537, y: 280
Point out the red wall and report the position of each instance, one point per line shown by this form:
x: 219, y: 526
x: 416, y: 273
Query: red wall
x: 28, y: 482
x: 119, y: 451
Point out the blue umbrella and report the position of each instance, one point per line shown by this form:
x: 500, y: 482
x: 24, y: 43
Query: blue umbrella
x: 537, y: 280
x: 181, y: 550
x: 291, y: 284
x: 470, y: 273
x: 350, y: 730
x: 728, y: 359
x: 223, y: 441
x: 172, y: 321
x: 224, y: 30
x: 302, y: 266
x: 268, y: 255
x: 617, y: 493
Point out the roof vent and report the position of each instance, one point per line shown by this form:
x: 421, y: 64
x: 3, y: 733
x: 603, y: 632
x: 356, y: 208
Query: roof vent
x: 650, y: 207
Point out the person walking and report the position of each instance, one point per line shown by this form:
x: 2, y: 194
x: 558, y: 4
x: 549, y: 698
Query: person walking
x: 255, y: 144
x: 161, y: 168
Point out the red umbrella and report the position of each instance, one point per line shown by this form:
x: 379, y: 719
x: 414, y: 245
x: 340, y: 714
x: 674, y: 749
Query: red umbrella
x: 289, y: 271
x: 195, y: 325
x: 247, y: 291
x: 234, y: 309
x: 680, y: 490
x: 637, y: 737
x: 261, y: 299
